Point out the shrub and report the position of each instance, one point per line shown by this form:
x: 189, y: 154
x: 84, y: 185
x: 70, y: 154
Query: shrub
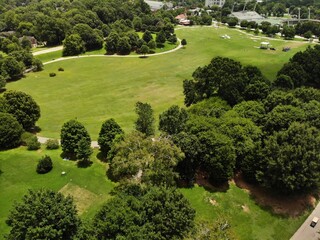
x: 52, y: 144
x: 33, y: 143
x: 52, y: 74
x: 61, y: 69
x: 25, y: 137
x: 44, y: 165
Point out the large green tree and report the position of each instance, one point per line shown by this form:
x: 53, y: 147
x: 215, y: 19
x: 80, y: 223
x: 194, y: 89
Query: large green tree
x: 152, y: 213
x: 73, y: 45
x: 228, y: 79
x: 23, y: 107
x: 11, y: 68
x: 292, y: 159
x: 144, y: 160
x: 72, y: 132
x: 43, y: 214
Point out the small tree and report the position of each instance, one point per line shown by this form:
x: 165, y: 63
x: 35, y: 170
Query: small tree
x: 44, y: 165
x: 109, y: 130
x: 84, y: 150
x: 71, y: 134
x: 144, y: 50
x: 145, y: 121
x: 147, y: 37
x: 183, y: 42
x: 160, y: 38
x: 308, y: 34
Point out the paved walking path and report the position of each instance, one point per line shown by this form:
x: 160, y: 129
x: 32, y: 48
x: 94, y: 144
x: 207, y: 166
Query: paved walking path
x: 43, y: 140
x: 306, y: 232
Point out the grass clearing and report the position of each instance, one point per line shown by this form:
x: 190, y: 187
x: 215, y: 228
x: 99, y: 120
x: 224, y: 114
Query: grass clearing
x: 89, y: 186
x: 95, y: 89
x: 247, y: 219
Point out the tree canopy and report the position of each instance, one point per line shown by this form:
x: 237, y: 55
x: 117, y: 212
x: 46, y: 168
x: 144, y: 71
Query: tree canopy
x: 72, y: 133
x: 43, y: 214
x: 23, y: 107
x: 153, y: 213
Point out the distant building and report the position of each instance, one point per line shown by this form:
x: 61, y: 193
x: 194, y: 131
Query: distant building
x: 33, y: 40
x: 155, y: 5
x: 183, y: 19
x: 247, y: 15
x: 210, y: 3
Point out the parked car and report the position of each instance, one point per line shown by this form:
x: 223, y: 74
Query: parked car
x: 314, y: 222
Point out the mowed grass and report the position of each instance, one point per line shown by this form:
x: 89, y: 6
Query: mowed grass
x: 89, y: 186
x: 247, y: 220
x: 97, y: 88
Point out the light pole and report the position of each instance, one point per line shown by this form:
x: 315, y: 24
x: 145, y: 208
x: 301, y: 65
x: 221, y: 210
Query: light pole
x: 309, y: 13
x: 299, y: 14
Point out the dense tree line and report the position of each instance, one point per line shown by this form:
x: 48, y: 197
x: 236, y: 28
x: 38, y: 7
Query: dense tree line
x: 83, y: 25
x: 271, y: 137
x: 15, y: 58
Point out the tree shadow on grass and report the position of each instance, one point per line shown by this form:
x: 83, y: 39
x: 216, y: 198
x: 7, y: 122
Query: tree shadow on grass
x: 110, y: 175
x: 278, y: 204
x: 202, y: 179
x: 84, y: 163
x: 142, y: 57
x: 101, y: 157
x: 68, y: 156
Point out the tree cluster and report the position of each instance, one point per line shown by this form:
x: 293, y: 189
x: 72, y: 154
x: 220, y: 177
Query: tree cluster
x: 228, y: 79
x: 271, y: 139
x: 16, y: 58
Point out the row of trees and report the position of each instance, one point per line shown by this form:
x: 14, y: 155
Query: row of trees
x: 52, y: 21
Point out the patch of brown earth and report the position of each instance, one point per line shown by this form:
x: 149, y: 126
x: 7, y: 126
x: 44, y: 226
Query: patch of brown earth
x: 82, y: 197
x: 293, y: 205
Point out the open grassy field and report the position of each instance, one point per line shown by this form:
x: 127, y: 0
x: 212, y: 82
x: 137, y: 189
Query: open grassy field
x: 99, y: 88
x: 89, y: 186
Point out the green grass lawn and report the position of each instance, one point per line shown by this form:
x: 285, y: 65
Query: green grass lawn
x: 89, y: 185
x: 248, y: 220
x: 95, y: 89
x: 90, y: 189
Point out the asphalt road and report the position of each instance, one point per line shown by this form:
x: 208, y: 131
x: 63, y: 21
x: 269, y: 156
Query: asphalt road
x: 306, y: 232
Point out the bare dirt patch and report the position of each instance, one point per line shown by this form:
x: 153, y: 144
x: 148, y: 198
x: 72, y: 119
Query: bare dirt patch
x: 293, y: 205
x: 82, y: 197
x: 245, y: 208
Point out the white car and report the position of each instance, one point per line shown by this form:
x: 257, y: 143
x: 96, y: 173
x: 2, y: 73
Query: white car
x: 314, y: 222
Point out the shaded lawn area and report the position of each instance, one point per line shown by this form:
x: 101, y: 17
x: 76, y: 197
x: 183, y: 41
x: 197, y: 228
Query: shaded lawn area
x: 247, y: 219
x: 89, y: 186
x: 95, y: 89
